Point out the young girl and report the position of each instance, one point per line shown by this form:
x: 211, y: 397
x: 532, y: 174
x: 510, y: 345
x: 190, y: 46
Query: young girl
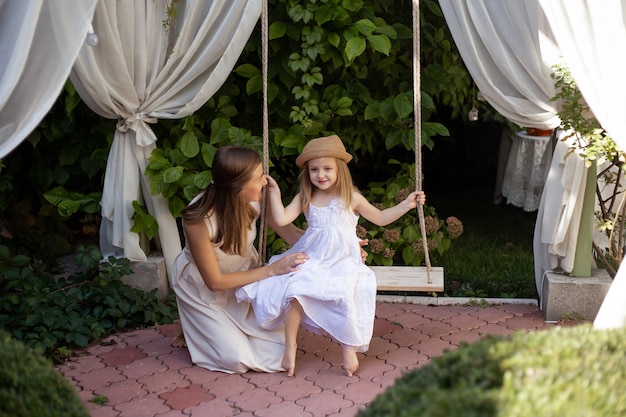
x: 333, y: 292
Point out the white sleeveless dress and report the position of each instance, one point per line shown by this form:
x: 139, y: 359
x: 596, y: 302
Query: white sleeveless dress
x: 221, y: 333
x: 336, y: 290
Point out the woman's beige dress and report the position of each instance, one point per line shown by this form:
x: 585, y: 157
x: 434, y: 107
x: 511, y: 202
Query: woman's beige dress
x: 222, y: 334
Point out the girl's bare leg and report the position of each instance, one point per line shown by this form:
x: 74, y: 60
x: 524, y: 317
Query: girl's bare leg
x: 292, y: 324
x: 350, y: 360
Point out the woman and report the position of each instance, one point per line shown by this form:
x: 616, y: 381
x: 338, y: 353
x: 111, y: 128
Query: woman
x: 219, y: 257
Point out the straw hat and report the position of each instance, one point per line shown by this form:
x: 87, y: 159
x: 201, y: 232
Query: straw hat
x: 329, y: 146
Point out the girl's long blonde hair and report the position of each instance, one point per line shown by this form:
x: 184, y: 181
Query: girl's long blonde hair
x: 345, y: 186
x: 233, y: 167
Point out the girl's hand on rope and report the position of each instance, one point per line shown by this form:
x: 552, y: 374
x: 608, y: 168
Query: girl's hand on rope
x: 289, y: 263
x: 415, y: 198
x: 272, y: 185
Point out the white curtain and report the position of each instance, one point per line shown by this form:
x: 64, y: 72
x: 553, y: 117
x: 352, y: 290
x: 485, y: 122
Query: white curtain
x: 508, y: 56
x: 592, y: 38
x: 140, y: 72
x: 509, y: 48
x: 39, y: 40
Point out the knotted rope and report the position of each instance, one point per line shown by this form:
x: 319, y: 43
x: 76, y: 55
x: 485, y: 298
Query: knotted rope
x: 264, y: 59
x: 417, y: 115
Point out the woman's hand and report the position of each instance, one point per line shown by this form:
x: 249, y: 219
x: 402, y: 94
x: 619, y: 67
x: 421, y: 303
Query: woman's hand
x: 363, y: 253
x: 288, y: 263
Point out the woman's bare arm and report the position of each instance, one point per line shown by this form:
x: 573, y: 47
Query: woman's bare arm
x: 201, y: 247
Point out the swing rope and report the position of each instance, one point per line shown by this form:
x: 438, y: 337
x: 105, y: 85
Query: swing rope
x: 417, y: 107
x: 265, y: 53
x: 417, y: 115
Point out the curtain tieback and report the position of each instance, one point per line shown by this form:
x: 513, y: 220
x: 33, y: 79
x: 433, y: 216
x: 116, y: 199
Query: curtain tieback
x: 138, y: 123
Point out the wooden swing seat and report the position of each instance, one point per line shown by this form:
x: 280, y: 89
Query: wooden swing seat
x: 408, y: 278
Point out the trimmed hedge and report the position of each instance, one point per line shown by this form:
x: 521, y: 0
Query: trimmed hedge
x: 563, y: 371
x: 31, y: 387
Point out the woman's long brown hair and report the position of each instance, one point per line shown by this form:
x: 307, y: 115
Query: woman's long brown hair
x: 233, y: 167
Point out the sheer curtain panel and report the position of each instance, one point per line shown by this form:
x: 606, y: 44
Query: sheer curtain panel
x: 592, y: 39
x: 508, y: 50
x: 39, y: 41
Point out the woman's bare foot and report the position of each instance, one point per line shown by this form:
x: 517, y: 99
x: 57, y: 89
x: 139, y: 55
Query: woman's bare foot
x: 179, y: 341
x: 350, y: 360
x: 289, y: 359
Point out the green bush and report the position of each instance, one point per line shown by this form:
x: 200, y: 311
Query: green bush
x: 30, y: 386
x: 564, y: 371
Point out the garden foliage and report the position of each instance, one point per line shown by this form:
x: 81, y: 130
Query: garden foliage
x: 56, y: 315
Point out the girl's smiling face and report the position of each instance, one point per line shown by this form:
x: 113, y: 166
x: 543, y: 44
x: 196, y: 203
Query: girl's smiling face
x: 323, y: 172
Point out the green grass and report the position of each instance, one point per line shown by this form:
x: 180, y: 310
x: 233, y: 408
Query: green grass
x: 494, y: 255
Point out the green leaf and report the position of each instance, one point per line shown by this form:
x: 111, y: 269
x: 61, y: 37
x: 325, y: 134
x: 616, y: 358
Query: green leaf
x: 372, y: 111
x: 247, y: 71
x: 334, y: 39
x: 380, y: 43
x: 208, y: 152
x: 344, y: 102
x: 71, y: 101
x: 203, y: 179
x: 403, y: 105
x: 68, y: 207
x: 68, y: 155
x: 81, y: 340
x: 433, y: 128
x: 189, y: 144
x: 20, y: 261
x: 254, y: 84
x: 365, y: 27
x: 32, y: 319
x: 411, y: 233
x: 354, y: 48
x: 277, y: 30
x: 171, y: 175
x: 323, y: 14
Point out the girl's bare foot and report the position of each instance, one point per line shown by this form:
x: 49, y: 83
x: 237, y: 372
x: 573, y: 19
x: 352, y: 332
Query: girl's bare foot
x: 350, y: 360
x: 179, y: 341
x: 289, y: 359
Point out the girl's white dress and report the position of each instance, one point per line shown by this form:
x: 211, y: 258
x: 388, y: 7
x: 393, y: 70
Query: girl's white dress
x: 336, y: 290
x: 221, y: 333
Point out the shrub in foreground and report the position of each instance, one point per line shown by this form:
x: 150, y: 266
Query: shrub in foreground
x: 30, y: 386
x: 564, y: 371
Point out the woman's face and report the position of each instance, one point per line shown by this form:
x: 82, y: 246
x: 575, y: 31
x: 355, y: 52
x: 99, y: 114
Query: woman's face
x: 252, y: 190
